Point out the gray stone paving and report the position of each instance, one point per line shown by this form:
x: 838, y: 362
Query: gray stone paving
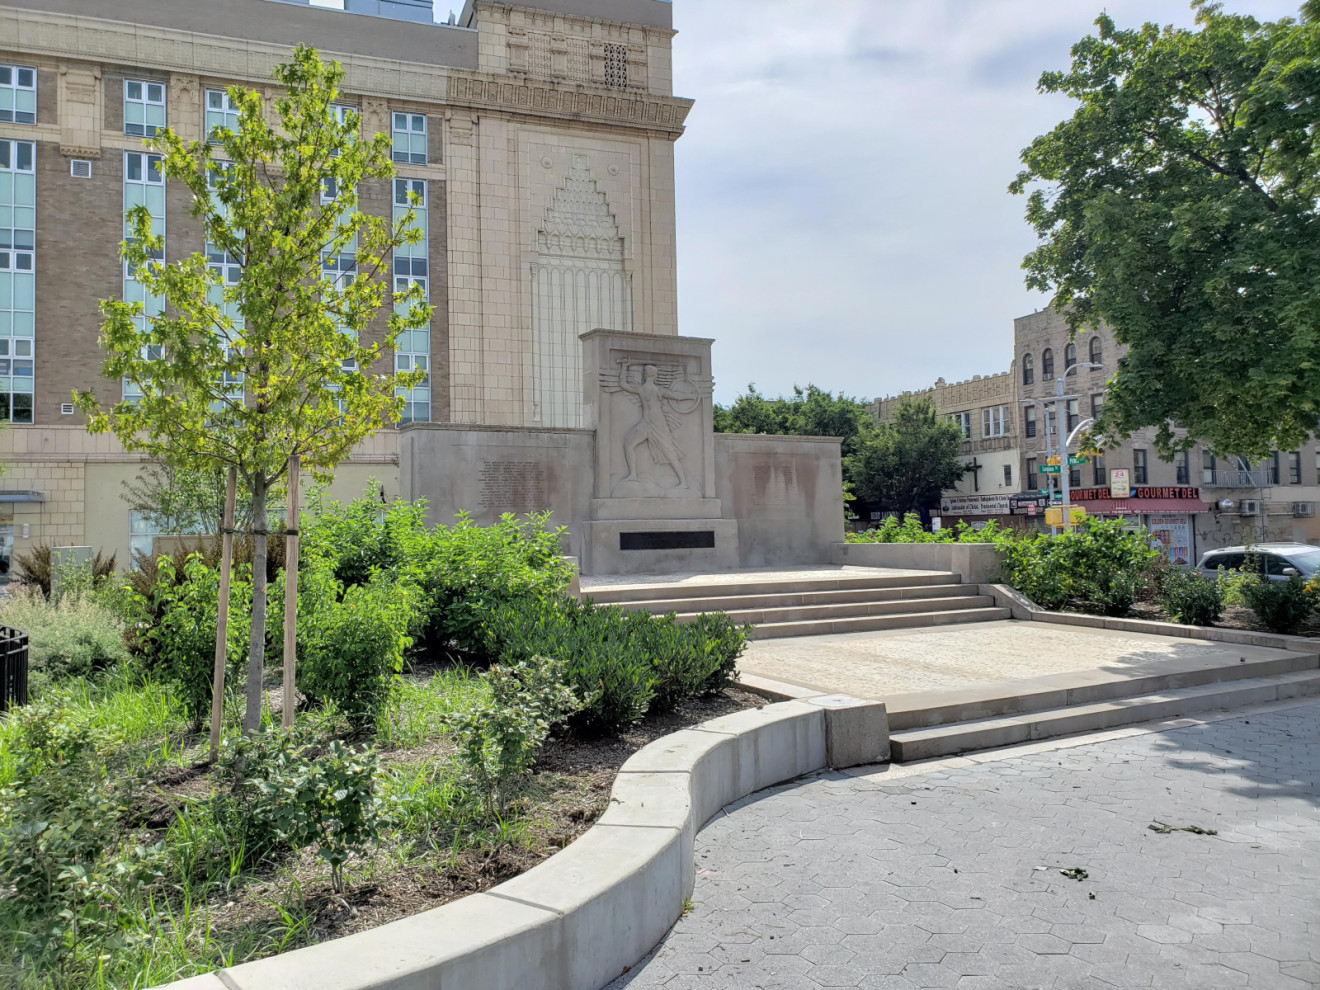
x: 951, y: 877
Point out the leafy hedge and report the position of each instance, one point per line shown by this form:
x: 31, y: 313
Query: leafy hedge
x: 1098, y: 566
x: 624, y: 663
x: 910, y: 530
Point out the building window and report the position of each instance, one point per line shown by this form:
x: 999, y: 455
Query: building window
x: 1295, y: 468
x: 1272, y: 469
x: 992, y: 421
x: 18, y: 264
x: 1028, y: 369
x: 1097, y: 350
x: 144, y: 527
x: 1029, y: 421
x: 144, y: 107
x: 1075, y: 476
x: 1047, y: 364
x: 18, y: 94
x: 1074, y: 417
x: 616, y: 66
x: 1139, y: 472
x: 221, y: 112
x: 964, y: 421
x: 412, y: 349
x: 143, y: 186
x: 410, y: 138
x: 1185, y: 468
x: 1008, y: 475
x: 1030, y: 478
x: 1209, y: 467
x: 1069, y: 355
x: 1097, y: 403
x: 1100, y: 476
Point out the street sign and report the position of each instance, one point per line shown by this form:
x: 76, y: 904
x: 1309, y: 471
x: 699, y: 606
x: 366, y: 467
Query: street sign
x: 1049, y: 469
x: 1075, y: 459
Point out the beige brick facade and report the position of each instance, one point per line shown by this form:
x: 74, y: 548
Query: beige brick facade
x: 985, y: 406
x: 516, y: 97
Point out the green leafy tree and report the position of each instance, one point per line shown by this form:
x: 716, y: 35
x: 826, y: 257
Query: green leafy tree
x: 905, y: 465
x: 249, y: 363
x: 1180, y: 204
x: 810, y: 412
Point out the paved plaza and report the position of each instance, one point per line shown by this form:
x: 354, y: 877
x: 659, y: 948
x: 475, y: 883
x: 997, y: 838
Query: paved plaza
x: 929, y: 661
x: 952, y: 873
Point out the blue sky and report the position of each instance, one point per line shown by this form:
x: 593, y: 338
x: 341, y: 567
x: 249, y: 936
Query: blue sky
x: 843, y: 214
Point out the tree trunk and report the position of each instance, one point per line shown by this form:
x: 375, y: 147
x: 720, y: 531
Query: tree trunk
x: 257, y: 643
x: 222, y: 613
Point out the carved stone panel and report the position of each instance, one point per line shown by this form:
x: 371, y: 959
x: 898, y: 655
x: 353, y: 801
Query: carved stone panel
x: 648, y: 398
x: 80, y: 110
x: 185, y: 106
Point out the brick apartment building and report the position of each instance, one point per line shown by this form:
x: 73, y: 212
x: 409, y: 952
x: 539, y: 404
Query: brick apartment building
x: 1192, y: 503
x: 540, y: 134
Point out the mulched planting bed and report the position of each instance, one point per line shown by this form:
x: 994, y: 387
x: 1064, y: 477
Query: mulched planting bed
x: 565, y: 794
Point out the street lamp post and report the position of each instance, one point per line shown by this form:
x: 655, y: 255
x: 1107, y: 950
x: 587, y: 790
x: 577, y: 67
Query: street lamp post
x: 1058, y: 400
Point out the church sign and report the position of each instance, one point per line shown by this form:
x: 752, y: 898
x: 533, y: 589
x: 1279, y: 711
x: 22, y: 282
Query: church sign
x: 975, y: 505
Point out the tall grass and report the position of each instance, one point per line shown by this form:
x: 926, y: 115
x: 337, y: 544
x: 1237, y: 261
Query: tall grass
x: 415, y: 715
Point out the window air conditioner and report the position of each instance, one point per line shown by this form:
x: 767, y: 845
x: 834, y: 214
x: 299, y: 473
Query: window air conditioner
x: 1249, y: 507
x: 1303, y: 510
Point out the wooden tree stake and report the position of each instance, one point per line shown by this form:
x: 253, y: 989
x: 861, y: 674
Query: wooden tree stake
x: 222, y: 612
x: 291, y: 524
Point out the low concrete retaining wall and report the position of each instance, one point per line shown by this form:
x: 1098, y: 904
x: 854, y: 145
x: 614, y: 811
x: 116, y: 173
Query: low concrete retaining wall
x: 1025, y: 609
x: 583, y: 917
x: 976, y: 562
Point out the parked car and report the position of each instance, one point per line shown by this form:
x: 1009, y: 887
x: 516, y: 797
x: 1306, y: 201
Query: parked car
x: 1276, y: 561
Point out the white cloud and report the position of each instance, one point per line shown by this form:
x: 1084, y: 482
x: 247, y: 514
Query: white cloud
x: 843, y: 214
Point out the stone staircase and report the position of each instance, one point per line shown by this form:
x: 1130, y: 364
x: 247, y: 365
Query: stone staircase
x: 815, y: 606
x: 923, y: 729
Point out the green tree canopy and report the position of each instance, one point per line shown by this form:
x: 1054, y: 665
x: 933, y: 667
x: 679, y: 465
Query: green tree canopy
x: 1179, y: 205
x: 256, y: 350
x: 905, y: 465
x: 810, y: 412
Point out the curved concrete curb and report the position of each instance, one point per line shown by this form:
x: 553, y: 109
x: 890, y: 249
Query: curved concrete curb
x: 587, y: 914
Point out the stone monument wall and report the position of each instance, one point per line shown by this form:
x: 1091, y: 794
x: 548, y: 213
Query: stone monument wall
x: 781, y: 494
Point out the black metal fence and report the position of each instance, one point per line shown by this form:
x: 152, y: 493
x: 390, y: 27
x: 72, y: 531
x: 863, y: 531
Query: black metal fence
x: 13, y: 668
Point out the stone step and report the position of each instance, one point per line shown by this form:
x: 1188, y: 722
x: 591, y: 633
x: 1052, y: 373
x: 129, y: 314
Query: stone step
x: 848, y: 610
x: 791, y: 599
x: 622, y: 594
x: 870, y: 623
x: 963, y: 737
x: 946, y: 707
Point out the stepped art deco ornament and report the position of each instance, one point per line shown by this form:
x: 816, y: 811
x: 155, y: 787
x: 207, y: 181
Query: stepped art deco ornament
x: 666, y: 395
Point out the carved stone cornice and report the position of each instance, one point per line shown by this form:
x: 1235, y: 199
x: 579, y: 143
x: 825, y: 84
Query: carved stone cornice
x: 96, y: 40
x: 569, y: 102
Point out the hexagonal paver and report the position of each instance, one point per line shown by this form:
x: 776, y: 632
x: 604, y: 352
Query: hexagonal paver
x: 842, y: 881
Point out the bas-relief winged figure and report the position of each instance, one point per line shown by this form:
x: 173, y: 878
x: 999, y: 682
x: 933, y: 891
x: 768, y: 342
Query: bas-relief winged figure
x: 665, y: 395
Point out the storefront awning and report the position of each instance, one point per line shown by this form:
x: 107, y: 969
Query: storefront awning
x: 22, y: 497
x: 1141, y: 506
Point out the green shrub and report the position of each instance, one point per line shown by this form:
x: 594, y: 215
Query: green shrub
x: 498, y: 738
x: 182, y: 643
x: 1189, y: 598
x: 1099, y: 566
x: 627, y: 663
x: 60, y: 818
x: 1281, y: 606
x: 1032, y: 566
x: 74, y: 637
x: 350, y: 649
x: 292, y: 792
x: 365, y: 536
x: 473, y: 571
x: 1235, y: 583
x: 910, y: 530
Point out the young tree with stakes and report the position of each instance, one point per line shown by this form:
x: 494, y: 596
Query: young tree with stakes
x: 257, y: 357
